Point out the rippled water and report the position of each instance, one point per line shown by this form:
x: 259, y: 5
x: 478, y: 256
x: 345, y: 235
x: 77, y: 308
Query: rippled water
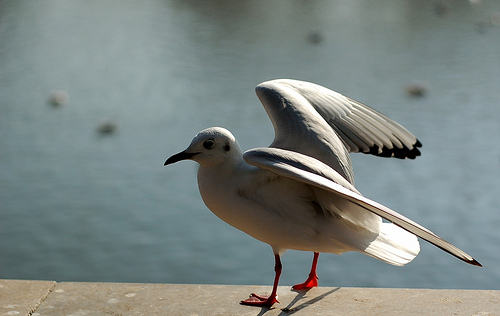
x: 77, y: 205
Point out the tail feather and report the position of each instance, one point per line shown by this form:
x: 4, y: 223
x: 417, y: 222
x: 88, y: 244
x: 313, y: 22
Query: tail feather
x: 394, y: 245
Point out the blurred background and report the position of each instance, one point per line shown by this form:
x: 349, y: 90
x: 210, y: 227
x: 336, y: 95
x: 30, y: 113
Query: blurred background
x: 95, y: 95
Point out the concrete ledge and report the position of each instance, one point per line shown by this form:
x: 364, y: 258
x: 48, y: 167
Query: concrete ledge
x: 37, y: 298
x: 23, y: 297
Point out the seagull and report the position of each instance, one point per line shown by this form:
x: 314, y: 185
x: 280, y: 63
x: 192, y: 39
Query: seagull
x: 299, y: 192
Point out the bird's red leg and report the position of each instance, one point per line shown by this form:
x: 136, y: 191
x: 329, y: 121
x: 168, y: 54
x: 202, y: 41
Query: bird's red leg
x: 312, y: 280
x: 267, y: 301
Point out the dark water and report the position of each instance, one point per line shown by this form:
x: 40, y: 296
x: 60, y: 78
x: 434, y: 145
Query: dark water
x: 77, y: 205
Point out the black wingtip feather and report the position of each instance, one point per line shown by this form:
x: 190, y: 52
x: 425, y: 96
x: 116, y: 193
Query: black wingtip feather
x: 395, y: 152
x: 470, y: 261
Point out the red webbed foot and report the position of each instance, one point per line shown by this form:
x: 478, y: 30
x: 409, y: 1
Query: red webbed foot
x: 267, y: 301
x: 258, y: 300
x: 312, y: 281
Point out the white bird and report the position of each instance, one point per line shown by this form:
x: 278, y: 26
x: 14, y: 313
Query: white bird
x: 299, y: 192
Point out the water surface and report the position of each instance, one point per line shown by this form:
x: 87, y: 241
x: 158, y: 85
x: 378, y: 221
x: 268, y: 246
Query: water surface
x: 76, y: 205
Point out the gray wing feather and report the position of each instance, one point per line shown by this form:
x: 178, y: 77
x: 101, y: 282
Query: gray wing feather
x: 313, y: 172
x: 361, y: 128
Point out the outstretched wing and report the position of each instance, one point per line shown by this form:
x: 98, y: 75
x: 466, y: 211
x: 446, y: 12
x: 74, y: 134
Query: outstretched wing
x: 305, y: 115
x: 313, y: 172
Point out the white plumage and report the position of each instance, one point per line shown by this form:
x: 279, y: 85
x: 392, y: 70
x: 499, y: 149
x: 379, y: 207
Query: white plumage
x: 299, y: 192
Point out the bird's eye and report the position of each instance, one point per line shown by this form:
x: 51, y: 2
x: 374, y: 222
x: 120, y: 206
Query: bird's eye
x: 209, y: 144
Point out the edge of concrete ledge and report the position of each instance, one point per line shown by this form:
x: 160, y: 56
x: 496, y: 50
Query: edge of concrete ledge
x: 26, y: 297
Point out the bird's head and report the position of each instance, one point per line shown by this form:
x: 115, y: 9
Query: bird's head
x: 210, y: 147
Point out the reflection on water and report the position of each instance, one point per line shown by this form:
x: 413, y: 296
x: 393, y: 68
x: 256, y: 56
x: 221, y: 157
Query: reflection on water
x: 78, y: 206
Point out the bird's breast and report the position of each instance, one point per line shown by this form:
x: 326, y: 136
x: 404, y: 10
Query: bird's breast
x: 278, y: 211
x: 230, y: 194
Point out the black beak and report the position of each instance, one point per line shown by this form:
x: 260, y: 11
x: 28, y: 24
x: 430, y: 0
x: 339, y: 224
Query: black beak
x: 183, y: 155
